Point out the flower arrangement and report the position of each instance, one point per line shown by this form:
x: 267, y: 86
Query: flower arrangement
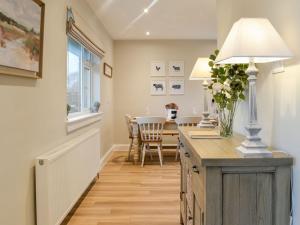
x: 228, y: 86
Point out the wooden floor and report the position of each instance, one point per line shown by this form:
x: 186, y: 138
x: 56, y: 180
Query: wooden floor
x: 127, y: 194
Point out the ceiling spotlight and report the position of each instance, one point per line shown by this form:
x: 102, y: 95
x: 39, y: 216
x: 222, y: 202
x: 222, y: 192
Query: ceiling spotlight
x: 146, y: 10
x: 147, y: 33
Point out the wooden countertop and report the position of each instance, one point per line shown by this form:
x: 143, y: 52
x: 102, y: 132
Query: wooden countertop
x: 222, y: 152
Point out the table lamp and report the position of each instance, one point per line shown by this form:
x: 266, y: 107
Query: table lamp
x: 201, y: 71
x: 253, y: 40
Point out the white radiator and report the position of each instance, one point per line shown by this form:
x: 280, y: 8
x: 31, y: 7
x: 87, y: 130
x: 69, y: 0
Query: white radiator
x: 63, y: 175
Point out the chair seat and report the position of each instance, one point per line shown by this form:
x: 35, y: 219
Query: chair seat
x: 170, y: 132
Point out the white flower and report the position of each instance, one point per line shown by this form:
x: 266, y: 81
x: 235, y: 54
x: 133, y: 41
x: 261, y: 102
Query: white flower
x: 227, y: 95
x: 227, y: 85
x: 217, y: 87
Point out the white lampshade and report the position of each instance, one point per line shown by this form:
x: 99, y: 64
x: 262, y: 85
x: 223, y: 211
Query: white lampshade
x: 253, y: 38
x: 201, y: 70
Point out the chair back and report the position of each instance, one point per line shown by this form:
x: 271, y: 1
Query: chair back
x: 188, y: 121
x: 151, y: 128
x: 128, y: 119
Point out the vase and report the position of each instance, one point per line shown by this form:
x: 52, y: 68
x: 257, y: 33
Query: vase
x: 226, y: 119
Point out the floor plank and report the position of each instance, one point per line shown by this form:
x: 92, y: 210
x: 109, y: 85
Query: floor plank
x: 127, y: 194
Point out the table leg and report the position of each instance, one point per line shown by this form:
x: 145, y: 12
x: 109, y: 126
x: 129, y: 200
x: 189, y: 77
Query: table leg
x: 136, y: 144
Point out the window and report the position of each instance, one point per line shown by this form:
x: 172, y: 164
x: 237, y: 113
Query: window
x: 83, y: 81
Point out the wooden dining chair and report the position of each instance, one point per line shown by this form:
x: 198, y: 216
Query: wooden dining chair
x: 188, y: 121
x: 151, y: 129
x: 128, y: 119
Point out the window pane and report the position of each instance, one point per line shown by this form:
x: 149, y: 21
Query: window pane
x: 95, y: 79
x: 86, y: 79
x: 74, y: 78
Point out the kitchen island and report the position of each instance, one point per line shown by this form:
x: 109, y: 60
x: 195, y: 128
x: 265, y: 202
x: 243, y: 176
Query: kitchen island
x: 219, y: 187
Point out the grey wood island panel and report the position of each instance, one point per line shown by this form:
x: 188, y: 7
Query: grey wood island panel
x: 219, y: 187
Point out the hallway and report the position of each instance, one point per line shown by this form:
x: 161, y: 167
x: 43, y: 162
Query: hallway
x: 127, y: 194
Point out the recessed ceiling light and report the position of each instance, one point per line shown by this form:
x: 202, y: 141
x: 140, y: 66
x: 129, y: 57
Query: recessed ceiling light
x: 146, y: 10
x: 147, y: 33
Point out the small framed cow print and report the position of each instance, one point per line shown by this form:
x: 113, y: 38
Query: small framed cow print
x: 176, y: 68
x: 176, y: 87
x: 157, y: 68
x: 158, y: 87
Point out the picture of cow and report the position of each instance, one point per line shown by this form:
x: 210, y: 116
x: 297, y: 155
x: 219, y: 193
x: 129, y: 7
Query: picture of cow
x: 158, y: 86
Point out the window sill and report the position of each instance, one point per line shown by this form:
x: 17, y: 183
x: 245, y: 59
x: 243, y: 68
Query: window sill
x: 82, y: 121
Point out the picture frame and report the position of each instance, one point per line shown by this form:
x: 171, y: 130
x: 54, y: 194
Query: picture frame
x: 21, y: 38
x: 176, y: 87
x: 157, y: 68
x: 158, y: 87
x: 107, y: 70
x: 176, y: 68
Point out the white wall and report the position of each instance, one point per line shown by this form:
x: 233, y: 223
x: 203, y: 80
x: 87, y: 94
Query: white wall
x: 132, y: 79
x: 33, y: 114
x: 278, y: 96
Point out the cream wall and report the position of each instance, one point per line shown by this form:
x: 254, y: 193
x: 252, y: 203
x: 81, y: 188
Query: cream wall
x: 132, y: 79
x: 278, y: 96
x: 33, y: 114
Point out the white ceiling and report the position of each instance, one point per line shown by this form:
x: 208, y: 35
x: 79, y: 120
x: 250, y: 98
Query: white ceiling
x: 166, y: 19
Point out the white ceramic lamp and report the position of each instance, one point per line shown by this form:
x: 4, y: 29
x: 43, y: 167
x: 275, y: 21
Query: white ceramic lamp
x: 201, y: 71
x: 253, y: 40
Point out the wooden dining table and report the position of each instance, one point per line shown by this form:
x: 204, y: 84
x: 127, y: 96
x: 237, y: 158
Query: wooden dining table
x: 170, y: 129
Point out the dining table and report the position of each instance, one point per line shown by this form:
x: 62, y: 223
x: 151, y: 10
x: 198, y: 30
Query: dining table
x: 169, y: 129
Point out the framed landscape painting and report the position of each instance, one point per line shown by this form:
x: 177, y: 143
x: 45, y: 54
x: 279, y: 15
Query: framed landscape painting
x: 21, y: 37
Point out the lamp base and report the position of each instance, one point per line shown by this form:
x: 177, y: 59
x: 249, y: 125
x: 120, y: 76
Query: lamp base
x: 205, y: 124
x: 254, y: 149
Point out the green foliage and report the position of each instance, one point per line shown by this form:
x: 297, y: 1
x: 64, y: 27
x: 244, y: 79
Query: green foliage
x: 229, y: 83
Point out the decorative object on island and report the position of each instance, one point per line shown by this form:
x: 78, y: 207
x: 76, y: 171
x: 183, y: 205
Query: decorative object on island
x: 95, y: 107
x: 228, y: 85
x: 253, y: 40
x: 107, y: 70
x: 157, y: 69
x: 176, y: 68
x: 176, y: 87
x: 158, y: 87
x: 201, y: 71
x: 21, y: 38
x: 172, y: 109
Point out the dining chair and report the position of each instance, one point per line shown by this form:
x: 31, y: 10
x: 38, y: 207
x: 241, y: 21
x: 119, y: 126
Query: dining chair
x: 188, y: 121
x: 128, y: 119
x: 151, y: 133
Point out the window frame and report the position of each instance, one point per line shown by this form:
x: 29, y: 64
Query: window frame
x: 84, y: 64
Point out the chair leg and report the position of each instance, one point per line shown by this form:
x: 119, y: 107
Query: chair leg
x: 129, y: 150
x: 177, y: 151
x: 141, y: 153
x: 159, y: 154
x: 143, y: 156
x: 150, y: 152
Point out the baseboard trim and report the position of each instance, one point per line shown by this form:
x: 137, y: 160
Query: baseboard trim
x: 105, y: 158
x: 120, y: 147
